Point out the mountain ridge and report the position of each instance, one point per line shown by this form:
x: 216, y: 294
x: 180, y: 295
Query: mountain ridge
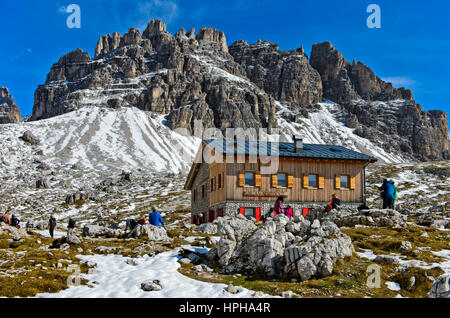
x: 190, y: 77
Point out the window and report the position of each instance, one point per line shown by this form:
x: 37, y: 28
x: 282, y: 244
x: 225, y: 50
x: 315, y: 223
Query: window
x: 345, y: 182
x: 220, y: 181
x: 249, y: 212
x: 282, y: 180
x: 312, y: 181
x: 195, y: 195
x: 249, y: 179
x: 212, y: 184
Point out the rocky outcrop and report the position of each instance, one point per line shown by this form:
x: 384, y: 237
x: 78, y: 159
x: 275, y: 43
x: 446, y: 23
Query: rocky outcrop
x: 212, y: 35
x: 30, y: 138
x: 344, y: 81
x: 377, y: 111
x: 287, y: 76
x: 440, y: 288
x: 9, y: 112
x: 207, y: 228
x: 400, y: 127
x: 101, y: 231
x: 11, y: 231
x: 107, y: 44
x: 348, y: 217
x: 281, y: 248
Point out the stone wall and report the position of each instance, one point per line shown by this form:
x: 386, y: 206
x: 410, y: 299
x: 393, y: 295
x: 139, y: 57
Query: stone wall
x: 231, y: 208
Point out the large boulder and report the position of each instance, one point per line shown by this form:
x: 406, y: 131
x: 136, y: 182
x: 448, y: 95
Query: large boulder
x: 12, y: 231
x: 156, y: 233
x: 281, y: 247
x: 351, y: 217
x: 28, y: 137
x: 151, y: 285
x: 441, y: 287
x: 207, y: 228
x: 36, y: 225
x: 72, y: 239
x: 101, y: 231
x: 232, y: 231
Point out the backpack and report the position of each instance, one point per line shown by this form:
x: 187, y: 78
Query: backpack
x: 15, y: 221
x: 2, y: 219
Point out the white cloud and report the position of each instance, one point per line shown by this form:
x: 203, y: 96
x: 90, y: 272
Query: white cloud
x: 400, y: 81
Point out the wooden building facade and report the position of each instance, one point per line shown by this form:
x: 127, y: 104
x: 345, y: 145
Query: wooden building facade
x: 236, y: 181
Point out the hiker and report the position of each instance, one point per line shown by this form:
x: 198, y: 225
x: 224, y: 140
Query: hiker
x: 387, y: 193
x: 395, y: 197
x: 131, y: 223
x: 71, y: 227
x: 142, y: 221
x: 156, y: 219
x: 278, y: 206
x: 52, y: 225
x: 334, y: 203
x: 196, y: 220
x: 15, y: 221
x: 289, y: 212
x: 6, y: 218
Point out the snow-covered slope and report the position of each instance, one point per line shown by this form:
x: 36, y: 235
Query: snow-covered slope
x: 101, y: 139
x: 323, y: 127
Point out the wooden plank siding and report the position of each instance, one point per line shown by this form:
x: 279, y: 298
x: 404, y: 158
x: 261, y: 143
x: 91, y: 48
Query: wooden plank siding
x: 298, y: 168
x: 219, y: 194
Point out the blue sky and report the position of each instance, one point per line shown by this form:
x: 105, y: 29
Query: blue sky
x: 411, y: 49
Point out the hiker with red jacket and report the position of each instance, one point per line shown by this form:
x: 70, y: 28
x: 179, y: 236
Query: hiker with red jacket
x: 334, y: 203
x: 6, y: 218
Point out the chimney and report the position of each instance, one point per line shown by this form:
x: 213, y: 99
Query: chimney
x: 298, y: 143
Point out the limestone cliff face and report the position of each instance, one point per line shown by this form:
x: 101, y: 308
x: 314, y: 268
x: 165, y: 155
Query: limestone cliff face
x: 286, y: 76
x: 9, y: 112
x: 189, y: 77
x: 399, y: 123
x: 344, y: 81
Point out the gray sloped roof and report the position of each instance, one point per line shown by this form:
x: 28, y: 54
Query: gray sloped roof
x: 286, y: 150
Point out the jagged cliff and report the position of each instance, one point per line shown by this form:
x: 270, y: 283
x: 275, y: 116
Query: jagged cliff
x: 189, y: 76
x: 9, y: 112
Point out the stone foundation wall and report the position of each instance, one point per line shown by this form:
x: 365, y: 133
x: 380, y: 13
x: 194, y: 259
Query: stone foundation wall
x: 231, y: 208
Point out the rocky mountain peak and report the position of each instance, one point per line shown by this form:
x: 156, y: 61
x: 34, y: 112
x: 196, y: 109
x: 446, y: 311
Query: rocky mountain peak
x: 9, y: 112
x: 154, y: 28
x: 70, y: 67
x: 344, y: 81
x: 213, y: 35
x: 107, y: 43
x: 286, y: 75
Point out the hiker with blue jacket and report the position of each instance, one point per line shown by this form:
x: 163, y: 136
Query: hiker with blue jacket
x: 156, y: 219
x: 387, y: 194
